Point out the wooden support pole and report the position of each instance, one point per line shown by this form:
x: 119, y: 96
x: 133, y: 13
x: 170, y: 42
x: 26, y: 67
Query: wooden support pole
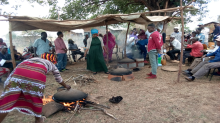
x: 11, y: 46
x: 126, y: 40
x: 182, y: 41
x: 107, y: 40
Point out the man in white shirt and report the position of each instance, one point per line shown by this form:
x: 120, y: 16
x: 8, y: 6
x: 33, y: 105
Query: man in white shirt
x: 176, y: 48
x: 205, y: 31
x: 177, y: 34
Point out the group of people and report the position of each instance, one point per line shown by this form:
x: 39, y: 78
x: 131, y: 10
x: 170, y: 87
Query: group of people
x: 23, y: 89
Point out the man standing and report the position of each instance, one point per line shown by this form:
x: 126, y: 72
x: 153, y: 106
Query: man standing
x: 177, y: 34
x: 176, y: 48
x: 85, y: 40
x: 205, y: 31
x: 41, y: 45
x: 200, y: 35
x: 203, y: 67
x: 155, y: 43
x: 61, y: 51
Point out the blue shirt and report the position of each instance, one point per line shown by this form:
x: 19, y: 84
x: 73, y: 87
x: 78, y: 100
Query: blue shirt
x: 42, y: 46
x: 216, y: 54
x: 217, y: 30
x: 5, y: 56
x: 201, y: 37
x: 143, y: 42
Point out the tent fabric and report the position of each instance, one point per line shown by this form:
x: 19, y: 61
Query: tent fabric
x: 23, y: 23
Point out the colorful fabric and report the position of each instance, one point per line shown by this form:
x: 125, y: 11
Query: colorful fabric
x: 110, y: 46
x: 94, y: 31
x: 26, y: 54
x: 50, y: 67
x: 196, y: 48
x: 50, y: 57
x: 23, y: 89
x: 59, y: 46
x: 95, y: 59
x: 4, y: 71
x: 142, y: 35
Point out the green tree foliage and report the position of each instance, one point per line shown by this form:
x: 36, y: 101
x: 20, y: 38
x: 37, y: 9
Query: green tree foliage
x: 85, y: 9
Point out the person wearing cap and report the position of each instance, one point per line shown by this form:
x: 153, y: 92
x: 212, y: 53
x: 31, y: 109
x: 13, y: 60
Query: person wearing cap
x: 205, y: 31
x: 176, y: 48
x: 155, y: 43
x: 196, y: 61
x: 5, y: 56
x: 94, y: 53
x: 200, y: 35
x: 196, y: 49
x: 203, y: 67
x: 177, y: 34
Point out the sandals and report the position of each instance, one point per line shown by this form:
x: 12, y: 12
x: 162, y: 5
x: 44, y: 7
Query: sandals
x: 94, y: 73
x: 106, y: 72
x: 116, y: 99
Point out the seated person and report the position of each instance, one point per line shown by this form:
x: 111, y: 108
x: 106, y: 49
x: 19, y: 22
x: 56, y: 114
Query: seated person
x: 141, y: 44
x: 176, y: 48
x: 2, y: 43
x: 130, y: 48
x: 203, y: 67
x: 27, y: 53
x: 198, y: 60
x: 196, y: 47
x: 75, y: 50
x: 4, y: 55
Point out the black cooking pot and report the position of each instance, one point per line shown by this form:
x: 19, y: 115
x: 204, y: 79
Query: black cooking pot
x: 120, y: 72
x: 71, y: 95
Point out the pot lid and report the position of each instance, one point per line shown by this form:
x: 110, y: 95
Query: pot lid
x: 120, y: 71
x: 126, y: 60
x: 71, y: 95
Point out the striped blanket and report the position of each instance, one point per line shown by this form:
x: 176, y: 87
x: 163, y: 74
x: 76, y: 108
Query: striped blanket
x: 24, y: 89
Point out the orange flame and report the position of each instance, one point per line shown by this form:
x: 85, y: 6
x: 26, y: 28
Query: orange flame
x: 47, y: 100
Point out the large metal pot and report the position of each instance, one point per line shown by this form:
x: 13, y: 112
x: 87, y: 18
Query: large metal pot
x: 71, y: 95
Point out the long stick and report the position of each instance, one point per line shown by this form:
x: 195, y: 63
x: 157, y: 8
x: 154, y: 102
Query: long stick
x: 126, y: 40
x: 107, y: 40
x: 11, y: 46
x: 181, y: 55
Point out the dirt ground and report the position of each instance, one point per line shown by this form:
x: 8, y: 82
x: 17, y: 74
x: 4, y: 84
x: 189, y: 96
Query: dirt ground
x: 160, y: 100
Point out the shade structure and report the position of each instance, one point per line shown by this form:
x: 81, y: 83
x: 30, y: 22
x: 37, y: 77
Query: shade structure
x: 23, y: 23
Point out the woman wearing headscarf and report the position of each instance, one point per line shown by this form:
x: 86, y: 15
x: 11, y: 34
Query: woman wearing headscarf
x: 24, y: 88
x: 94, y: 49
x: 26, y: 53
x: 109, y: 46
x: 141, y: 44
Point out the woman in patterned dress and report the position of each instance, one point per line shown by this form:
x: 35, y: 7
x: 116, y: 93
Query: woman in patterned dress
x: 24, y: 88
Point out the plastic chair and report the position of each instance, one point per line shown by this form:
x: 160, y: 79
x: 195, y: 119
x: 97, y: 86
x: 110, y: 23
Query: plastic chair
x: 211, y: 74
x: 116, y: 53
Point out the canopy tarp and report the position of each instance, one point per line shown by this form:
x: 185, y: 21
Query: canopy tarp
x: 23, y: 23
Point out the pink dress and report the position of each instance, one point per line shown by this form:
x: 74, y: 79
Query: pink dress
x: 110, y: 46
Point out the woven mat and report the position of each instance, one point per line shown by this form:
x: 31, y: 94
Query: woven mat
x: 170, y: 68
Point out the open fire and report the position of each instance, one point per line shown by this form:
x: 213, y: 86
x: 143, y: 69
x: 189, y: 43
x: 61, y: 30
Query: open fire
x: 69, y: 106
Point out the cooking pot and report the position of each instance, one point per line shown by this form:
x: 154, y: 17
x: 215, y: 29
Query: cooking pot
x: 71, y: 95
